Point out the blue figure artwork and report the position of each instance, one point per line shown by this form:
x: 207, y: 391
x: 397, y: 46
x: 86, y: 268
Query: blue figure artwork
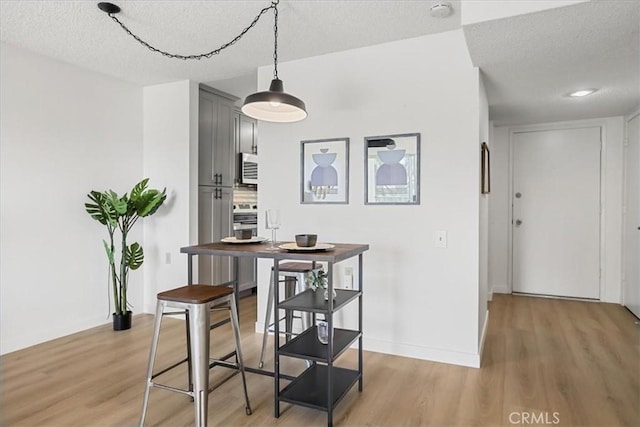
x: 324, y: 176
x: 391, y: 172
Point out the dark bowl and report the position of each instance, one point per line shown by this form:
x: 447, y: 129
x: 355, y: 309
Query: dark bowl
x: 243, y: 234
x: 306, y: 240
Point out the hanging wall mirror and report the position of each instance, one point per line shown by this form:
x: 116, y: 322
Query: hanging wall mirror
x: 392, y: 169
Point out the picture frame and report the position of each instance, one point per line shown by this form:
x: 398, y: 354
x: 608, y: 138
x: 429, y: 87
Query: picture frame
x: 392, y: 169
x: 485, y: 169
x: 324, y: 171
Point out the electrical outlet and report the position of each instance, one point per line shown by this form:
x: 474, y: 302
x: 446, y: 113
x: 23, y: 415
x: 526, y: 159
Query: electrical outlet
x: 348, y: 278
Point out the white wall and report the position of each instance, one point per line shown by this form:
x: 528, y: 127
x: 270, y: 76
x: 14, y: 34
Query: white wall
x: 241, y: 86
x: 631, y: 216
x: 483, y: 291
x: 171, y: 161
x: 420, y: 301
x: 499, y: 211
x: 474, y: 11
x: 63, y: 132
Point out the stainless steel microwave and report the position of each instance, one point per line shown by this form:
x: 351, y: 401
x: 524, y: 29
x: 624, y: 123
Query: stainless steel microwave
x: 248, y: 168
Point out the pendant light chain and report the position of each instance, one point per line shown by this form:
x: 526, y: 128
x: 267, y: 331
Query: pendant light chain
x: 274, y: 6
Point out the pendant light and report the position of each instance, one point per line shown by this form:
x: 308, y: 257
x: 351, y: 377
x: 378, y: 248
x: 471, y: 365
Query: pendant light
x: 275, y: 105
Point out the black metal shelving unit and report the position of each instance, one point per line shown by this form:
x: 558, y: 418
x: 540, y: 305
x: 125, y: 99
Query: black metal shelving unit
x: 321, y: 386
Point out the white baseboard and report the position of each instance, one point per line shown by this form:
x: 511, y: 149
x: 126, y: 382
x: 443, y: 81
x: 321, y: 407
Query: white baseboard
x: 259, y: 327
x: 149, y: 308
x: 420, y: 352
x: 19, y: 339
x: 484, y: 335
x: 500, y: 289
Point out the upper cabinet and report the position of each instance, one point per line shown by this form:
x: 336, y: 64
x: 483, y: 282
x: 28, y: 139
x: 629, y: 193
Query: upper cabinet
x: 216, y: 165
x: 246, y: 133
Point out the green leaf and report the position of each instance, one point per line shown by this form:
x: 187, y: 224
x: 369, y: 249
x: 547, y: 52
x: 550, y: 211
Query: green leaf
x: 138, y: 189
x: 119, y: 204
x: 149, y: 202
x: 100, y: 209
x: 107, y: 248
x: 317, y: 279
x: 134, y: 256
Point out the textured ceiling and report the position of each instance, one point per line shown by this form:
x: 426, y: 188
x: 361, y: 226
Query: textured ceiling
x: 529, y: 62
x: 79, y: 33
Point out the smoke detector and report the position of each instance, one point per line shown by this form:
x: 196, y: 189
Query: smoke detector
x: 440, y: 9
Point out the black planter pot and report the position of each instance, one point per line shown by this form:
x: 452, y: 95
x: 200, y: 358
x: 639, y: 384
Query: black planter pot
x: 122, y: 322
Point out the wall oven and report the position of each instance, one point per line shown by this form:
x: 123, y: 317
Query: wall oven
x: 245, y: 216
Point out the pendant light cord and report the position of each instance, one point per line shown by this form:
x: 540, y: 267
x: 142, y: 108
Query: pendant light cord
x: 274, y: 6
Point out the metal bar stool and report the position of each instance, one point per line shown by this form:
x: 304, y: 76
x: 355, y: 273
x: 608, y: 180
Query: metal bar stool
x: 295, y: 280
x: 197, y: 300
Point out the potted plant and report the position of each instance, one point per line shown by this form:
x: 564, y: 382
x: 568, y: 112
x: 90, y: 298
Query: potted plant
x: 318, y: 279
x: 120, y: 213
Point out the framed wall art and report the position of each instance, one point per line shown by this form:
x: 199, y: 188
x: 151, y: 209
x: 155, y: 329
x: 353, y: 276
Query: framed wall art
x: 485, y: 170
x: 324, y: 171
x: 392, y: 169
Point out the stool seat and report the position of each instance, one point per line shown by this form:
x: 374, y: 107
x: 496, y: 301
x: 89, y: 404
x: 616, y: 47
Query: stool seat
x: 295, y: 267
x: 195, y: 294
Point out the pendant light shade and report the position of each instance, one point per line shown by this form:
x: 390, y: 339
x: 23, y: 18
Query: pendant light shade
x: 274, y: 105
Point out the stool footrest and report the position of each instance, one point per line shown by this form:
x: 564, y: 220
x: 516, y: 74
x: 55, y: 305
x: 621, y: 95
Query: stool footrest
x: 219, y: 362
x: 218, y: 324
x: 174, y: 389
x: 173, y: 313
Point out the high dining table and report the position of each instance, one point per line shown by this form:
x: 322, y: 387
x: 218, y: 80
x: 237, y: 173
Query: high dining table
x: 321, y: 385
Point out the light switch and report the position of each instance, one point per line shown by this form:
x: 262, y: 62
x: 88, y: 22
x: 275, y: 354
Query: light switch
x: 441, y: 239
x: 167, y: 258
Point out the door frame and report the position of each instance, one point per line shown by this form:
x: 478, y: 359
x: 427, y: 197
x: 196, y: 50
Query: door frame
x: 623, y: 257
x: 577, y: 124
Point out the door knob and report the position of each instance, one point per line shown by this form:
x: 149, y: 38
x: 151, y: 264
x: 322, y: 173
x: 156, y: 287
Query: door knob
x: 518, y: 223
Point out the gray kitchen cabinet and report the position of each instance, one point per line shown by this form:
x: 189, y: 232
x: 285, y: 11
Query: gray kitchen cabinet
x: 216, y: 154
x: 246, y: 133
x: 216, y: 175
x: 215, y: 222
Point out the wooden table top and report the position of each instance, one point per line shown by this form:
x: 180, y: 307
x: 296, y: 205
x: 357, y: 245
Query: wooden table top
x: 340, y: 252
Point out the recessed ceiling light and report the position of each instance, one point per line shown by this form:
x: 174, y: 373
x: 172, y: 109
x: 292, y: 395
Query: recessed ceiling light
x: 581, y: 93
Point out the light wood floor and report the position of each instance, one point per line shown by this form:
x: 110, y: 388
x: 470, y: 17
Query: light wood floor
x: 579, y: 360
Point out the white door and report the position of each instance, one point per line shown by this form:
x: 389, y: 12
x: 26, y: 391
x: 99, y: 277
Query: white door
x: 556, y: 212
x: 632, y: 222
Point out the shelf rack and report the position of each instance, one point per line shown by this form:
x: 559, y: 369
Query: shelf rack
x: 321, y: 386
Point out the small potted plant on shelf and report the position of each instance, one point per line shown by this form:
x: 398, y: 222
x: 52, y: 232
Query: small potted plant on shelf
x: 120, y: 213
x: 318, y: 279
